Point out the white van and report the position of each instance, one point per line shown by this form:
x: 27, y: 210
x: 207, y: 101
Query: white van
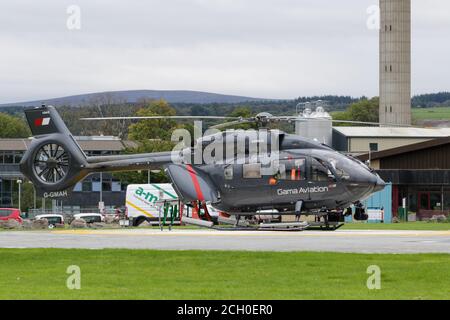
x: 90, y: 217
x: 141, y: 201
x: 141, y: 198
x: 54, y: 220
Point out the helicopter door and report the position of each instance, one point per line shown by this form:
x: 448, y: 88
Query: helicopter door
x: 321, y: 178
x: 246, y: 183
x: 290, y: 184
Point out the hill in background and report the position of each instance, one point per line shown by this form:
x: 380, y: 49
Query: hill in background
x: 133, y: 96
x: 440, y: 99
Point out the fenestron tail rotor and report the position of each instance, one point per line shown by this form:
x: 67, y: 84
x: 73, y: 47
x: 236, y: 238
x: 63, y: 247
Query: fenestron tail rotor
x: 51, y: 163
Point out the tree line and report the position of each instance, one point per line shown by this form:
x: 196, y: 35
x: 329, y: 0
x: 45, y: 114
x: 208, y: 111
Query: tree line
x: 13, y: 125
x: 440, y: 99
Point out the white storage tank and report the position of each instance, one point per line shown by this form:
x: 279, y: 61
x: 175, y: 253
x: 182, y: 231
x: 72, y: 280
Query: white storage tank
x: 316, y: 125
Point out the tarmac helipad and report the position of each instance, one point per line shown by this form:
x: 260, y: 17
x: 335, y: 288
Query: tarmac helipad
x: 362, y: 241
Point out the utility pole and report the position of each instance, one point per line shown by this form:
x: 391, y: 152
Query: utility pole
x: 19, y: 182
x: 34, y: 195
x: 101, y: 204
x: 101, y: 186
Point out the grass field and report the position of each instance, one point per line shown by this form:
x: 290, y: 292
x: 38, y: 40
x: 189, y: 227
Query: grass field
x: 438, y: 113
x: 141, y: 274
x: 419, y: 225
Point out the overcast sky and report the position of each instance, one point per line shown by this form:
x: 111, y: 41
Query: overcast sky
x: 260, y: 48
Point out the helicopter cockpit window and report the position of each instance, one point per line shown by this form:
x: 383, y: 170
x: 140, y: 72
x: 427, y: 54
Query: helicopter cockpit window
x: 319, y: 171
x: 294, y: 169
x: 341, y: 173
x: 341, y: 167
x: 251, y: 171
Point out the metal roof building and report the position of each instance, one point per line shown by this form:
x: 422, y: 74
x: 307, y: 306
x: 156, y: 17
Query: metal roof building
x: 365, y: 139
x: 88, y: 144
x: 85, y: 192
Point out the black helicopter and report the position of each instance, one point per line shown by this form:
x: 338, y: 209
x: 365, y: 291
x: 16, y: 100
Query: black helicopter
x: 289, y: 173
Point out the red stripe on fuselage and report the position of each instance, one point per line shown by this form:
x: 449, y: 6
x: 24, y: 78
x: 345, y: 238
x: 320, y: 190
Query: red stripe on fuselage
x: 194, y: 178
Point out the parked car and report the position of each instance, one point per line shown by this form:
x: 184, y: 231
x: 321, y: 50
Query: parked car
x: 90, y: 217
x: 10, y: 214
x: 53, y: 219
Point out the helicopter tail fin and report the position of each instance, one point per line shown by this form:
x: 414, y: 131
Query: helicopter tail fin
x: 54, y: 162
x: 45, y: 120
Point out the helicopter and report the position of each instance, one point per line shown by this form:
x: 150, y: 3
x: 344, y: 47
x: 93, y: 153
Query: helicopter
x: 288, y: 173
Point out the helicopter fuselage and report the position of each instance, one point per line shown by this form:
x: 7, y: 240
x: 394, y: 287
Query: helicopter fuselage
x: 238, y: 172
x: 310, y: 172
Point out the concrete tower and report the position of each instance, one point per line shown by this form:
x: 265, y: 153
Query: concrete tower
x: 395, y: 61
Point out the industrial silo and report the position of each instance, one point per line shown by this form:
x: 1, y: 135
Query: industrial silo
x: 316, y: 125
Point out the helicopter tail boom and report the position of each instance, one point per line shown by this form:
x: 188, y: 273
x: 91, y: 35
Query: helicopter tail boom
x: 191, y: 184
x: 54, y: 162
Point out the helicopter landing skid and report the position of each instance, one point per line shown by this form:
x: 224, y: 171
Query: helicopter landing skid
x: 258, y: 228
x: 287, y: 226
x: 325, y: 220
x: 330, y: 226
x: 293, y: 226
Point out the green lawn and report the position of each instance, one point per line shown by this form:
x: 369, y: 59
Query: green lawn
x: 419, y: 225
x: 438, y: 113
x: 142, y: 274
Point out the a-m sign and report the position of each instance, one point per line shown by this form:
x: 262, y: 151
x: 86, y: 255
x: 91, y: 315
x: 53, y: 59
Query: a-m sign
x: 148, y: 196
x: 141, y: 199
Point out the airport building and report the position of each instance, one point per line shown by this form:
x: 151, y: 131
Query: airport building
x: 357, y: 140
x: 86, y: 193
x: 419, y: 173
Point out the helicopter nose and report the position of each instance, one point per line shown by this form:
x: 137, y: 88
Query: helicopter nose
x: 379, y: 184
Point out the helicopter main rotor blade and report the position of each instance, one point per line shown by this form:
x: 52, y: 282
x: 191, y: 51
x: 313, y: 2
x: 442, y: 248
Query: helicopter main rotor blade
x: 161, y: 117
x: 264, y: 119
x: 232, y: 123
x: 294, y: 118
